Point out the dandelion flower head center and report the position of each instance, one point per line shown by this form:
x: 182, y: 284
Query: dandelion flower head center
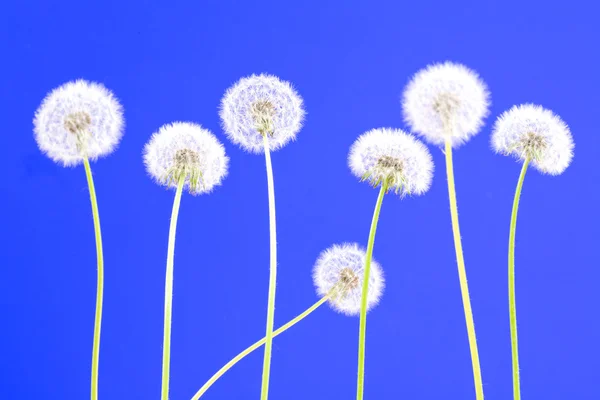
x: 531, y: 145
x: 387, y: 169
x: 446, y: 105
x: 78, y: 123
x: 186, y: 163
x: 263, y: 113
x: 348, y: 279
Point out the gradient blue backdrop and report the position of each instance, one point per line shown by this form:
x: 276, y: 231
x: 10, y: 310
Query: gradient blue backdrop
x: 350, y: 61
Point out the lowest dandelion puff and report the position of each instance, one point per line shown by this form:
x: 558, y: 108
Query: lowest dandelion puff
x: 337, y: 275
x: 535, y: 136
x: 446, y: 104
x: 393, y: 161
x: 78, y: 122
x: 261, y: 113
x: 181, y: 156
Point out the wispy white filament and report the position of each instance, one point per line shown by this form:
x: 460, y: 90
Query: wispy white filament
x: 186, y: 148
x: 391, y: 155
x: 76, y: 120
x: 257, y: 103
x: 532, y: 131
x: 444, y: 100
x: 346, y: 263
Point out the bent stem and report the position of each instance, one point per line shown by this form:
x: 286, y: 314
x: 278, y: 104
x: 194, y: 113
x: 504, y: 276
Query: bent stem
x: 169, y: 291
x: 365, y: 290
x: 256, y: 345
x: 462, y: 273
x: 100, y: 281
x: 272, y: 274
x: 512, y: 307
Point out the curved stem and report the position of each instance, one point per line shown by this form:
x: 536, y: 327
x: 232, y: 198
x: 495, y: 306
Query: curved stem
x: 360, y: 383
x: 256, y: 345
x: 100, y: 281
x: 462, y: 274
x: 169, y: 292
x: 512, y: 307
x: 272, y: 274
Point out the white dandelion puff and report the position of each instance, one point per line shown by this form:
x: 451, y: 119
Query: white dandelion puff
x: 258, y: 105
x: 446, y: 100
x: 392, y: 156
x: 76, y: 120
x: 532, y: 132
x: 341, y: 268
x: 184, y: 149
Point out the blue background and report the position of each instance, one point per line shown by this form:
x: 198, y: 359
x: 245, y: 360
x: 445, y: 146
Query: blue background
x: 350, y: 61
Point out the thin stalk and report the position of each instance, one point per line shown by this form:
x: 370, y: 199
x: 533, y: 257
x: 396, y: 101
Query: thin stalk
x: 512, y: 307
x: 362, y: 333
x: 100, y: 280
x: 256, y: 345
x: 169, y: 291
x: 462, y: 274
x: 272, y: 274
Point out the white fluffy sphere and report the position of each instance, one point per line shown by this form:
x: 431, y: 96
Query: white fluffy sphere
x: 393, y: 155
x: 76, y: 120
x: 532, y: 131
x: 261, y: 102
x: 444, y: 100
x: 344, y: 265
x: 184, y: 148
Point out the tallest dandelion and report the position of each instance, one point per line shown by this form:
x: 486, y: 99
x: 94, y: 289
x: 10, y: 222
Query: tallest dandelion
x: 446, y: 104
x: 261, y: 113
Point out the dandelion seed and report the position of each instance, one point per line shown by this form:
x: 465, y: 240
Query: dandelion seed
x: 78, y: 120
x: 187, y: 150
x: 532, y: 132
x: 394, y: 157
x: 341, y: 268
x: 261, y: 105
x: 446, y: 101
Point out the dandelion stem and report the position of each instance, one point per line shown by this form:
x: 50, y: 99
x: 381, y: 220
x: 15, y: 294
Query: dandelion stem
x: 365, y: 290
x: 100, y: 280
x: 512, y: 307
x: 462, y: 274
x: 272, y: 273
x: 256, y: 345
x: 169, y: 291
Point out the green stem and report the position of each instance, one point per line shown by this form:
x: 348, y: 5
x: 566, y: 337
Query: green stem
x: 512, y: 307
x: 362, y: 333
x: 462, y: 274
x: 169, y: 291
x: 272, y: 274
x: 100, y: 280
x: 256, y: 345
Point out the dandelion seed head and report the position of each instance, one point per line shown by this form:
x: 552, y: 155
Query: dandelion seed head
x: 531, y: 131
x: 261, y: 105
x: 341, y: 268
x: 446, y: 99
x: 184, y: 149
x: 76, y: 120
x: 392, y: 156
